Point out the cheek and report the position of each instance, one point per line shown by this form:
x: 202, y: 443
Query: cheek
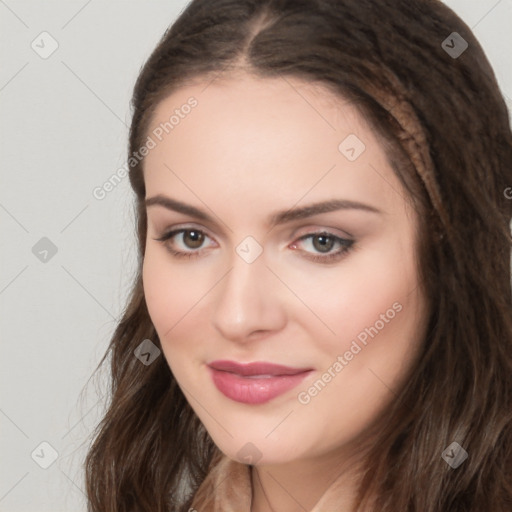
x: 364, y: 365
x: 173, y: 293
x: 378, y: 328
x: 167, y: 300
x: 373, y: 290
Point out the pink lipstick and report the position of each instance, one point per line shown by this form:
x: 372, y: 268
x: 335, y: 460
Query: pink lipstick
x: 255, y: 383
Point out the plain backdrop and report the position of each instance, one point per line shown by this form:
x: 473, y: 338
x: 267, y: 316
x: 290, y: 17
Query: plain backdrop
x: 68, y: 258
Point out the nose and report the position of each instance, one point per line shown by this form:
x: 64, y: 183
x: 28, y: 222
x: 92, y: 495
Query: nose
x: 248, y: 302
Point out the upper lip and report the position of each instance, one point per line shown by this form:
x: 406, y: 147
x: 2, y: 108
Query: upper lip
x: 255, y: 368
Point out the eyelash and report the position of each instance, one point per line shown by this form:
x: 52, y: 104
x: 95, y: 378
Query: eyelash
x: 347, y: 245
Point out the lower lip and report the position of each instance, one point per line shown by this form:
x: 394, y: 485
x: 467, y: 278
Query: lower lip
x: 250, y: 390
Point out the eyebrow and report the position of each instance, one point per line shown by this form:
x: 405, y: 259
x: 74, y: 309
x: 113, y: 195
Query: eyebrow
x: 276, y: 218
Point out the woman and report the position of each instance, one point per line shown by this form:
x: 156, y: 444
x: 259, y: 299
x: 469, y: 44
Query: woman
x: 322, y: 315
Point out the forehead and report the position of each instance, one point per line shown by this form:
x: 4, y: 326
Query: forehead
x: 270, y: 106
x: 277, y: 139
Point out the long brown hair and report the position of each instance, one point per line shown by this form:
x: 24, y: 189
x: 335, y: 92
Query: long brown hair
x: 446, y: 130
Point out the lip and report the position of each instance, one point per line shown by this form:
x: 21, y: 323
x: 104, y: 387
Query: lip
x: 256, y: 368
x: 254, y: 383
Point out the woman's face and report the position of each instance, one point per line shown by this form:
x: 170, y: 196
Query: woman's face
x: 293, y: 245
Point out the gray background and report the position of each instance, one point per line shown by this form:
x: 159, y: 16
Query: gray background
x: 64, y: 126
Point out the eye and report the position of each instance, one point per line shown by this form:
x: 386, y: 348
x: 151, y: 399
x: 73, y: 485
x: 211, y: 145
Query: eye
x: 323, y: 244
x: 189, y: 243
x: 184, y: 242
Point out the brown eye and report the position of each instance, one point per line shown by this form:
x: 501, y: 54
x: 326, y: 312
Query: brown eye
x: 186, y: 242
x: 323, y: 243
x: 323, y: 247
x: 193, y: 239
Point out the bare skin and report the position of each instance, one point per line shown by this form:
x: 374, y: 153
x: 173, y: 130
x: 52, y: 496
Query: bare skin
x: 251, y: 148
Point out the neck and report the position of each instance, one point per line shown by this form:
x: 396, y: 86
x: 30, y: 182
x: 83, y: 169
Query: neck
x: 298, y: 486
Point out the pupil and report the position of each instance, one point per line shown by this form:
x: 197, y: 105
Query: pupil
x: 323, y: 243
x: 193, y: 239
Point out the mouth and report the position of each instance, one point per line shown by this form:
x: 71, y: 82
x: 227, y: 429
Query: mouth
x: 256, y: 369
x: 255, y: 383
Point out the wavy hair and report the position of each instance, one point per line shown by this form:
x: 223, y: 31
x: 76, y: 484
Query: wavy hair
x: 446, y: 130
